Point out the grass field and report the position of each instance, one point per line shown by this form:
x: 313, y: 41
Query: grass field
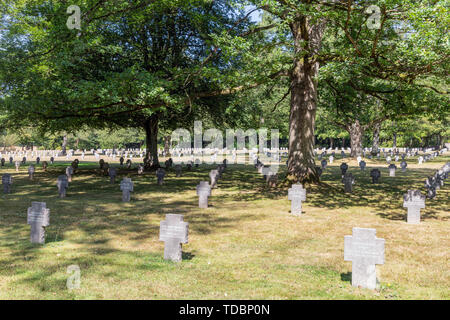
x: 245, y: 246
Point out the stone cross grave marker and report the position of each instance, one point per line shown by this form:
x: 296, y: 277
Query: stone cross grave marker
x: 112, y: 174
x: 126, y: 186
x: 31, y: 172
x: 214, y: 176
x: 173, y: 231
x: 38, y: 217
x: 324, y: 163
x: 344, y: 168
x: 348, y: 181
x: 160, y: 174
x: 331, y: 158
x: 392, y: 167
x: 69, y: 173
x: 365, y: 251
x: 140, y: 169
x: 403, y: 165
x: 296, y: 194
x: 17, y: 166
x: 62, y: 184
x: 6, y: 182
x: 414, y: 201
x: 203, y: 192
x: 178, y: 170
x: 362, y: 165
x: 375, y: 174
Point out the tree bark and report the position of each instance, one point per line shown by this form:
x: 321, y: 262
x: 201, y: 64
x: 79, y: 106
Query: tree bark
x: 167, y: 140
x: 376, y: 139
x: 394, y: 144
x: 356, y: 132
x: 64, y: 145
x: 151, y: 138
x: 301, y: 164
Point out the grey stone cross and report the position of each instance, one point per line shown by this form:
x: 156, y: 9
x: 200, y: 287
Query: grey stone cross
x: 160, y: 174
x: 38, y: 217
x: 414, y: 201
x: 403, y: 165
x: 375, y: 174
x: 392, y: 167
x: 62, y: 184
x: 344, y: 168
x: 69, y: 173
x: 348, y: 181
x: 173, y: 231
x: 178, y: 170
x: 31, y: 172
x: 214, y: 176
x: 203, y: 192
x: 362, y: 165
x: 6, y: 182
x: 126, y: 186
x: 365, y: 251
x: 112, y: 174
x: 296, y: 194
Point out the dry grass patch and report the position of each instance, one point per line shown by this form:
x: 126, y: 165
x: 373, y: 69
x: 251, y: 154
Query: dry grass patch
x: 245, y: 246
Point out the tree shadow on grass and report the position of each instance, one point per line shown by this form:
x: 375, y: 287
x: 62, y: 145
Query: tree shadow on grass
x: 346, y: 277
x: 187, y: 256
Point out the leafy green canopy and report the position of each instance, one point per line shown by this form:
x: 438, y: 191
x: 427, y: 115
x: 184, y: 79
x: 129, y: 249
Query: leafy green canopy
x: 130, y: 60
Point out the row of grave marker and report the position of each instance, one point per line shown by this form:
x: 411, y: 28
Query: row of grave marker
x: 363, y: 248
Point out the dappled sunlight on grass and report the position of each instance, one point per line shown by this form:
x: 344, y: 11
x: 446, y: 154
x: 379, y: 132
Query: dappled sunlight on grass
x: 246, y: 244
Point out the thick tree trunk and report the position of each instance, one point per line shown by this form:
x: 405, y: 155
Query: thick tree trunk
x: 425, y: 142
x: 356, y: 132
x: 301, y: 164
x: 64, y: 145
x: 440, y: 145
x: 394, y: 144
x: 151, y: 138
x: 376, y: 139
x: 167, y: 140
x: 331, y: 143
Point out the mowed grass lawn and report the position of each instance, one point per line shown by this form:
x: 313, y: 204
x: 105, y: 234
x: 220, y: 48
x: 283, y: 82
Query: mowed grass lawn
x: 247, y: 245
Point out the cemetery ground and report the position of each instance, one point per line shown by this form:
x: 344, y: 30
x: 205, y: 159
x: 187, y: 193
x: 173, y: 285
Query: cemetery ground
x: 246, y: 245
